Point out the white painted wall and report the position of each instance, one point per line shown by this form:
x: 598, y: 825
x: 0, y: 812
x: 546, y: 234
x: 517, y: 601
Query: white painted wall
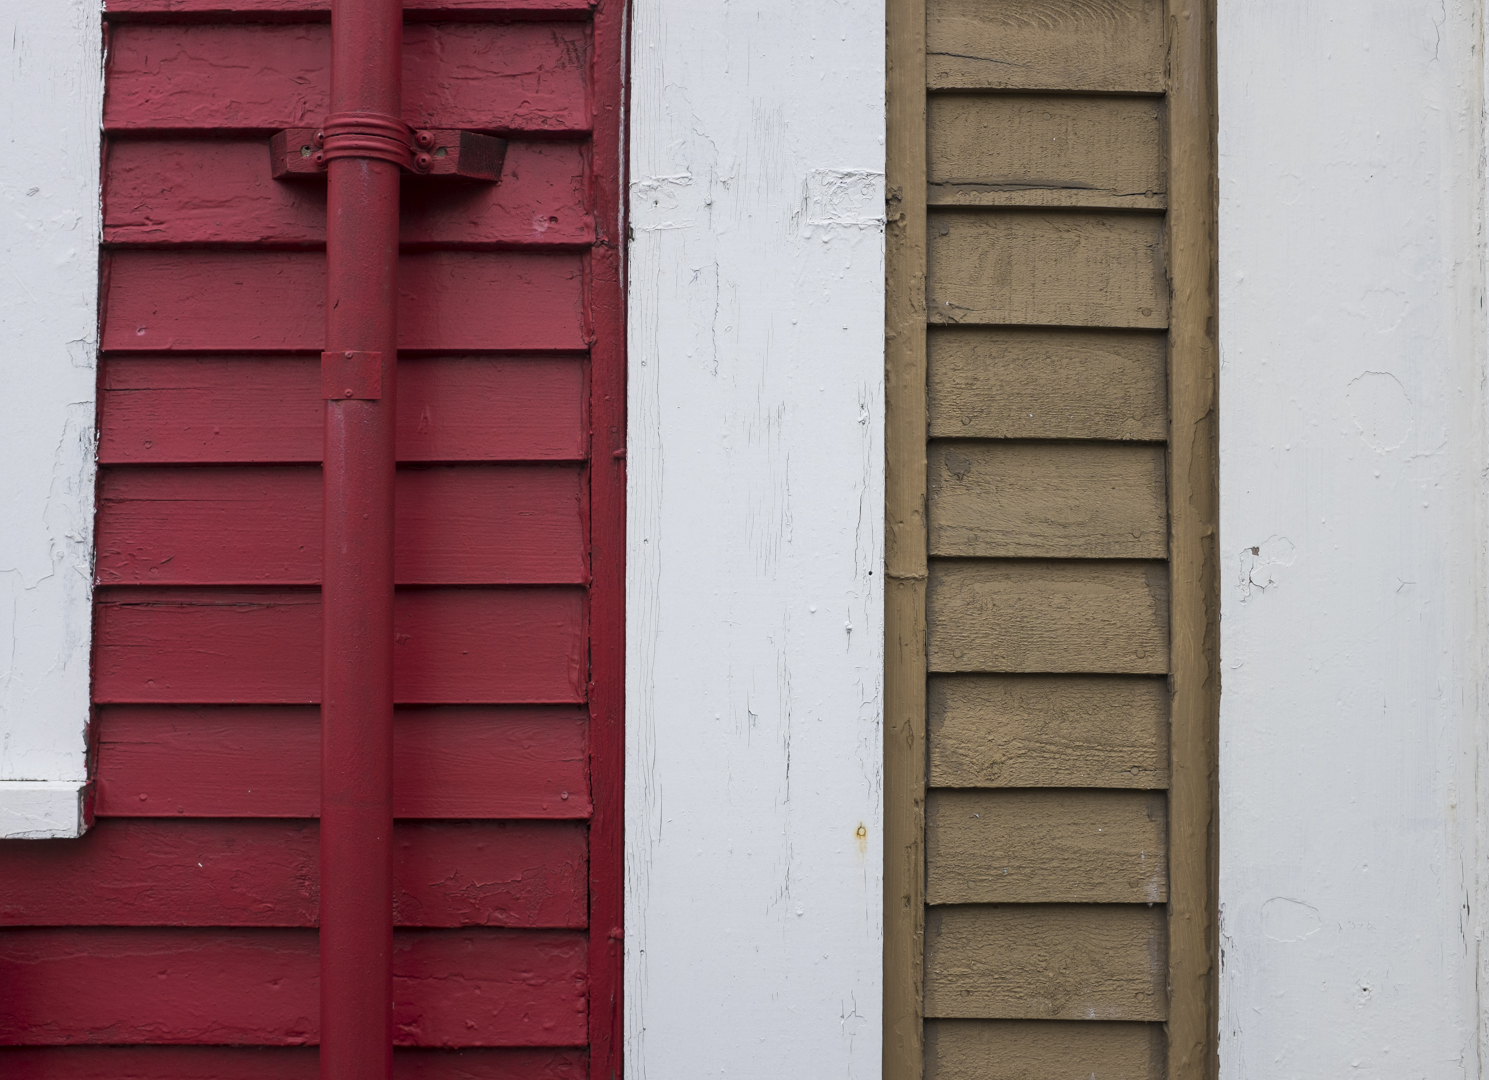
x: 1352, y: 473
x: 755, y: 631
x: 50, y: 101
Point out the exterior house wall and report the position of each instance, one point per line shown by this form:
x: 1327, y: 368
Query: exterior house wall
x: 50, y: 98
x: 755, y: 632
x: 1352, y: 543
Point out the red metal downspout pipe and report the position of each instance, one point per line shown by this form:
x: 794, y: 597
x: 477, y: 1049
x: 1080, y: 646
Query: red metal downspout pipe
x: 364, y: 142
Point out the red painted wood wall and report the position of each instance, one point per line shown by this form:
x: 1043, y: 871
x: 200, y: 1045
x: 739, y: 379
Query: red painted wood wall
x: 176, y: 940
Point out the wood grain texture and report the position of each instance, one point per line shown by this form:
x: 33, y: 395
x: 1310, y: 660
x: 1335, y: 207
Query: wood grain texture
x: 448, y: 762
x: 1102, y: 45
x: 1045, y: 846
x: 1020, y: 150
x: 1045, y: 616
x: 1007, y: 383
x: 1036, y: 961
x: 133, y: 872
x: 507, y: 77
x: 1193, y: 244
x: 1048, y: 731
x: 905, y: 539
x: 163, y: 409
x: 264, y: 646
x: 277, y: 1063
x: 1048, y: 500
x: 482, y: 987
x: 1046, y: 268
x: 255, y: 525
x: 159, y: 192
x: 261, y: 301
x: 1042, y: 1050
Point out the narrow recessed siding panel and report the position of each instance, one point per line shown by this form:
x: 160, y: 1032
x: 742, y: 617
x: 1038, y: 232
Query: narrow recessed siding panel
x: 1047, y: 616
x: 1048, y: 731
x: 1042, y: 1049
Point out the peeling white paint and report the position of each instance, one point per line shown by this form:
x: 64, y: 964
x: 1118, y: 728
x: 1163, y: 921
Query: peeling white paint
x: 754, y: 634
x: 1352, y: 475
x: 50, y: 108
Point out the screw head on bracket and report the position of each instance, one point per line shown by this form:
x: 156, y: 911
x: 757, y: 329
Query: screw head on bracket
x: 320, y: 138
x: 424, y: 139
x: 422, y: 162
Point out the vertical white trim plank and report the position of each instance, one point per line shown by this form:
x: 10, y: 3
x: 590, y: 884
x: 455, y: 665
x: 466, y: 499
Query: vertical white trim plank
x: 51, y: 89
x: 755, y: 551
x: 1352, y: 480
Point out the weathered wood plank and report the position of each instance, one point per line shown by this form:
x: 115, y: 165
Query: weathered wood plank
x: 263, y: 301
x: 264, y: 10
x: 162, y: 409
x: 261, y: 525
x: 263, y: 646
x: 1038, y: 616
x: 1048, y: 731
x: 278, y: 1062
x: 464, y: 762
x: 1046, y: 846
x: 473, y: 987
x: 1048, y: 500
x: 1006, y: 383
x: 218, y: 191
x: 1042, y: 1050
x: 1098, y: 45
x: 1046, y: 268
x: 1019, y: 150
x: 261, y: 77
x: 1038, y: 961
x: 133, y: 872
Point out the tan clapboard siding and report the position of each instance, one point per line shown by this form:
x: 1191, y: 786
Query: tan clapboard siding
x: 1047, y: 616
x: 1037, y: 961
x: 990, y: 382
x: 1045, y: 846
x: 1046, y: 268
x: 1021, y: 150
x: 1048, y: 500
x: 1048, y: 731
x: 1042, y: 1050
x: 1095, y: 45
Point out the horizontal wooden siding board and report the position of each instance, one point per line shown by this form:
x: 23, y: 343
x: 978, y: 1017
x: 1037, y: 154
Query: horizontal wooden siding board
x: 248, y: 525
x: 1048, y: 731
x: 485, y: 987
x: 1046, y: 846
x: 144, y: 872
x: 1043, y: 616
x: 449, y: 761
x: 1093, y: 45
x: 1046, y: 268
x: 497, y: 645
x: 1038, y: 961
x: 1043, y: 1050
x: 277, y: 1063
x: 263, y: 76
x: 165, y: 409
x: 1027, y: 150
x: 1048, y: 500
x: 218, y: 191
x: 260, y: 301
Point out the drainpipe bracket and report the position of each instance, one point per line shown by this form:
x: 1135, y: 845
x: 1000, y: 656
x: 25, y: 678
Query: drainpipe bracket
x: 351, y: 375
x: 296, y: 154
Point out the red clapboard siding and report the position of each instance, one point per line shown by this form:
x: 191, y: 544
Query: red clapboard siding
x: 448, y: 762
x: 209, y: 191
x: 276, y: 1063
x: 134, y: 872
x: 256, y: 76
x: 449, y: 301
x: 237, y: 525
x: 264, y: 646
x: 485, y: 987
x: 156, y: 410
